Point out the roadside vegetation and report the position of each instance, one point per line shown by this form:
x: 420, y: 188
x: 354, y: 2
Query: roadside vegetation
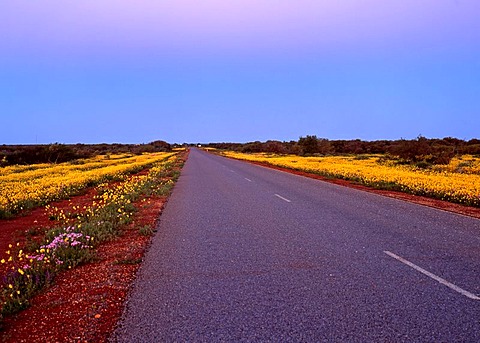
x: 58, y: 153
x: 27, y: 186
x: 33, y: 265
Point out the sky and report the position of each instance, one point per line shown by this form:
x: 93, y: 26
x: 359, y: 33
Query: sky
x: 105, y: 71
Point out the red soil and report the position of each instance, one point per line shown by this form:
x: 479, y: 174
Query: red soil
x: 85, y: 303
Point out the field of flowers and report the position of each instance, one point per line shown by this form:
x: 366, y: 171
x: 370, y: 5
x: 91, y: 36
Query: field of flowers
x: 23, y: 187
x: 457, y: 182
x: 32, y: 267
x: 466, y: 164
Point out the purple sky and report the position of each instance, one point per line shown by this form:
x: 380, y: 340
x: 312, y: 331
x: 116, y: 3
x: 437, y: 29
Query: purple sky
x: 208, y: 71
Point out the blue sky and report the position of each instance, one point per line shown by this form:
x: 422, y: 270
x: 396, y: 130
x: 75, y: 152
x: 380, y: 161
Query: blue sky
x: 211, y: 71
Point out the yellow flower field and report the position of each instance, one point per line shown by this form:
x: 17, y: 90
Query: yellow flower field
x: 466, y: 164
x: 31, y: 185
x: 449, y: 182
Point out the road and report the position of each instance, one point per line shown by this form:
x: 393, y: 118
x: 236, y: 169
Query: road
x: 249, y: 254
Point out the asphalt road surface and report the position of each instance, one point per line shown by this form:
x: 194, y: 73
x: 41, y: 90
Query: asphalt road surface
x: 250, y: 254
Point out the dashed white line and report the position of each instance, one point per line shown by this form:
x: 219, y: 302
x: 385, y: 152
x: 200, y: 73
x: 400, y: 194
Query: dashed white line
x: 285, y: 199
x: 433, y: 276
x: 246, y: 178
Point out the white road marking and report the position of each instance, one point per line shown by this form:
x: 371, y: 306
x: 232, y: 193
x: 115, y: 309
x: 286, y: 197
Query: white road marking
x: 233, y: 171
x: 433, y: 276
x: 285, y: 199
x: 248, y: 179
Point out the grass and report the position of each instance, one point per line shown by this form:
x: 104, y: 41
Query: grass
x: 146, y: 230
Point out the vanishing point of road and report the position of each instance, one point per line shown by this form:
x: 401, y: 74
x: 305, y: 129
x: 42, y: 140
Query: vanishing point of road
x: 249, y: 254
